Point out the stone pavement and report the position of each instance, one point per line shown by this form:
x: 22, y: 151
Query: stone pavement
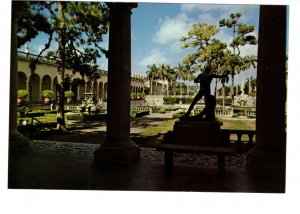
x: 66, y: 165
x: 69, y: 165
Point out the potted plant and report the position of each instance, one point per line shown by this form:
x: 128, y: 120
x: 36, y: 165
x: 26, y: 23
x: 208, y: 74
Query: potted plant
x: 48, y: 96
x: 21, y: 97
x: 69, y: 96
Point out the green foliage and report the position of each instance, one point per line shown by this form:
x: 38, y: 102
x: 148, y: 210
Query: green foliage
x: 78, y: 27
x: 208, y: 50
x: 69, y: 94
x: 48, y: 94
x: 175, y: 100
x: 22, y: 94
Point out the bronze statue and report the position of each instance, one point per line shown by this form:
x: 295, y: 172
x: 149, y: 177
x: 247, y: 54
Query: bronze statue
x: 205, y: 79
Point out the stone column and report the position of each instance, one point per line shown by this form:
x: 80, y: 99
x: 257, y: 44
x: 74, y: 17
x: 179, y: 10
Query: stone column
x: 118, y: 148
x: 17, y: 141
x: 98, y: 94
x: 40, y: 91
x: 27, y: 85
x: 267, y: 160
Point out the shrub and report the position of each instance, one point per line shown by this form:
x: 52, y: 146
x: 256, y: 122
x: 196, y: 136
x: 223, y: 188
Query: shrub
x: 48, y: 93
x: 22, y: 94
x: 69, y: 94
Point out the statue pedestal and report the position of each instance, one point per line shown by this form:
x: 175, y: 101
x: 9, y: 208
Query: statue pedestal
x: 197, y: 133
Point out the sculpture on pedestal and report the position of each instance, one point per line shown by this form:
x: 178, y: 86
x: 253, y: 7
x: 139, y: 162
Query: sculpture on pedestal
x: 204, y: 79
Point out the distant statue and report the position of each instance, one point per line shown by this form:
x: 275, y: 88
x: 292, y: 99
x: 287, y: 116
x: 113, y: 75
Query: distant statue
x: 243, y: 87
x: 204, y: 79
x: 27, y: 51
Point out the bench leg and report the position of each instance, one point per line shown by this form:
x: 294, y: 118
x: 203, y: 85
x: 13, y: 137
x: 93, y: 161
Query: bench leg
x: 168, y: 161
x: 221, y: 165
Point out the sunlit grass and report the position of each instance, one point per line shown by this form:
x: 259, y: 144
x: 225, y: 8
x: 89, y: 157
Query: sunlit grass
x: 160, y: 128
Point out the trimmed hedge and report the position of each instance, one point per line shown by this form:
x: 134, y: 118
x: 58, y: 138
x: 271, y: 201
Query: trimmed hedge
x: 176, y: 100
x: 142, y: 113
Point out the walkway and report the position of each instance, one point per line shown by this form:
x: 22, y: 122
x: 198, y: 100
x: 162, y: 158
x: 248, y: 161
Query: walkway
x: 57, y: 165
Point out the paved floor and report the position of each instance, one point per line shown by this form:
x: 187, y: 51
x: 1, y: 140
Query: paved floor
x: 59, y: 167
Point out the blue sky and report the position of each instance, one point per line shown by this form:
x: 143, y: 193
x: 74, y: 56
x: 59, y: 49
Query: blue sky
x: 157, y: 28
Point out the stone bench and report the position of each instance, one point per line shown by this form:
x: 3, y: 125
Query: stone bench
x: 201, y: 138
x: 219, y: 152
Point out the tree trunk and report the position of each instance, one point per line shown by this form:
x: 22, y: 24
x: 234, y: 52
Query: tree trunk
x: 151, y: 88
x: 223, y: 94
x: 216, y: 88
x: 61, y: 72
x: 180, y: 88
x: 232, y: 87
x: 250, y: 84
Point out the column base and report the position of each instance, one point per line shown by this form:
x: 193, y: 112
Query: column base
x: 17, y: 142
x: 122, y: 153
x: 267, y: 171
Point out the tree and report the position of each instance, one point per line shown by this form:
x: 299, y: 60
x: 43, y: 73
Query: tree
x: 162, y: 72
x: 78, y: 28
x: 241, y: 37
x: 180, y: 74
x: 152, y: 74
x: 207, y: 48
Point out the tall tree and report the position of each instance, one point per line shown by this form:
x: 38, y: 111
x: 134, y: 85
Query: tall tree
x: 201, y: 39
x: 78, y: 28
x: 180, y: 74
x: 152, y: 75
x: 241, y: 37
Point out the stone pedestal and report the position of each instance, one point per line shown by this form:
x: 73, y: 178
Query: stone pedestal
x: 196, y: 133
x: 266, y: 162
x: 118, y: 147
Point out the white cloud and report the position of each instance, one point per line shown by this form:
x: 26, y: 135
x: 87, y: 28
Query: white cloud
x: 171, y: 30
x: 208, y: 18
x: 155, y: 57
x: 222, y: 10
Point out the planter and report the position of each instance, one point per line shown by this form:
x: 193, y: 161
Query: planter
x: 47, y: 101
x: 20, y: 102
x: 69, y: 100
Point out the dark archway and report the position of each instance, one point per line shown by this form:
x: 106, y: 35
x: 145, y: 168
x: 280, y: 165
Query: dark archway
x: 34, y: 87
x: 46, y: 83
x: 22, y: 80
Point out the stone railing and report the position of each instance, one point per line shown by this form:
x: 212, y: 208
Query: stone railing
x: 250, y: 114
x: 138, y: 109
x: 242, y: 139
x: 227, y: 112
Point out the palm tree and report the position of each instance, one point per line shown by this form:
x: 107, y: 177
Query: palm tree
x: 180, y: 74
x: 152, y: 74
x: 249, y: 61
x: 171, y: 78
x: 162, y: 72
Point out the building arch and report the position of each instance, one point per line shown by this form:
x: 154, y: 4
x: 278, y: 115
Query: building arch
x: 94, y: 88
x: 105, y: 91
x: 22, y: 81
x: 46, y: 83
x: 81, y: 89
x: 89, y: 86
x: 34, y: 88
x: 101, y: 89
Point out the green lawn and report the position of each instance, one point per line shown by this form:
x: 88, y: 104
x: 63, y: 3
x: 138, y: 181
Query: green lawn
x: 160, y: 128
x: 151, y: 130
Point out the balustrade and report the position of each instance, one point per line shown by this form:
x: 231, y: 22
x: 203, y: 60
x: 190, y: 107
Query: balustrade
x: 243, y: 139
